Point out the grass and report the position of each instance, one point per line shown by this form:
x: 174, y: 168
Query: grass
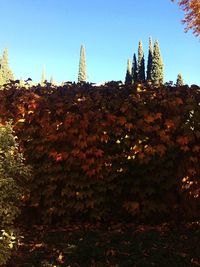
x: 117, y: 245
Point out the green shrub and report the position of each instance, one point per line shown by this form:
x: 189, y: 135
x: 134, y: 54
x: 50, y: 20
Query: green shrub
x: 13, y: 178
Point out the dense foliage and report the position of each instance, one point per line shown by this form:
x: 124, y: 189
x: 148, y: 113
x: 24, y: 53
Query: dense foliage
x: 13, y: 178
x: 111, y: 151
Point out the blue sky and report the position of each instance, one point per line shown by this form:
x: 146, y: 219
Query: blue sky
x: 50, y: 33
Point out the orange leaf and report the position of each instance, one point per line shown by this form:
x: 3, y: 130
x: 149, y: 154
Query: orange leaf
x: 194, y: 159
x: 104, y: 138
x: 182, y: 140
x: 99, y: 153
x: 149, y: 118
x: 129, y: 126
x: 196, y: 148
x: 191, y: 171
x: 59, y: 157
x: 185, y: 148
x: 164, y: 137
x: 91, y: 172
x: 91, y: 138
x: 141, y: 155
x: 85, y: 167
x: 158, y: 115
x: 122, y: 120
x: 111, y: 118
x: 161, y: 149
x: 149, y: 149
x: 169, y: 124
x: 90, y: 161
x: 179, y: 101
x: 82, y: 144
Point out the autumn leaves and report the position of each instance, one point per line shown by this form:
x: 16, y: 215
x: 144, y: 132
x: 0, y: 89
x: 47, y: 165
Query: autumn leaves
x: 116, y: 144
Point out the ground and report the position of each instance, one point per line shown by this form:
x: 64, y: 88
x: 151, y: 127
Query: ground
x: 113, y: 245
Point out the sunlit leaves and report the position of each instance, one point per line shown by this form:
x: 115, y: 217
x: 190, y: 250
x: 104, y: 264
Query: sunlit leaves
x: 13, y: 184
x: 169, y: 124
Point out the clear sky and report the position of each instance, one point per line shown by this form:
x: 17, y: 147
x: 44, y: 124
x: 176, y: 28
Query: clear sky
x: 50, y: 33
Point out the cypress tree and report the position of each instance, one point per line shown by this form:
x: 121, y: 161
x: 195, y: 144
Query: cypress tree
x: 150, y: 58
x: 51, y: 80
x: 5, y: 72
x: 128, y: 78
x: 43, y: 76
x: 141, y: 67
x: 1, y: 78
x: 157, y: 71
x: 82, y: 66
x: 179, y: 81
x: 134, y: 69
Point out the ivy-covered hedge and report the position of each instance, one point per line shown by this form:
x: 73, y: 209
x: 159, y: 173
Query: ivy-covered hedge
x: 112, y: 151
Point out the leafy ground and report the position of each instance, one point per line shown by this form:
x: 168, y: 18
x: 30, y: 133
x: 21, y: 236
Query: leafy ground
x: 117, y: 245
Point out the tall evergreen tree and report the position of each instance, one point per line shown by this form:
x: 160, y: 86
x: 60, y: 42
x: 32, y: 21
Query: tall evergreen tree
x: 5, y: 72
x: 82, y: 66
x: 150, y: 58
x: 43, y: 76
x: 157, y: 71
x: 51, y: 80
x: 134, y: 69
x: 1, y: 78
x: 128, y: 78
x: 179, y: 81
x: 141, y: 67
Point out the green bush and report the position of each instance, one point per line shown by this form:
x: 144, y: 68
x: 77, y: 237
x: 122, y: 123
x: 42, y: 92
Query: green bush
x: 13, y: 178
